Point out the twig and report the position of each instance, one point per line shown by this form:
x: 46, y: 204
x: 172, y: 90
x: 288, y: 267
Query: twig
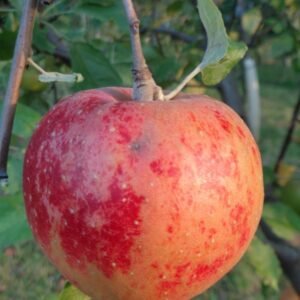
x: 36, y: 66
x: 47, y: 2
x: 55, y: 93
x: 144, y: 87
x: 44, y: 3
x: 288, y: 255
x: 177, y: 90
x: 21, y: 53
x: 289, y: 135
x: 61, y: 49
x: 231, y: 95
x: 174, y: 34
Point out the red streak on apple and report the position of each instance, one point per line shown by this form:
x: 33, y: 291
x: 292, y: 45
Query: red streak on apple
x: 142, y: 200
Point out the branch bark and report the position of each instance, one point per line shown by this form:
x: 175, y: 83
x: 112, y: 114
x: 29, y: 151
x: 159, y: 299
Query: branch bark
x: 144, y: 87
x: 21, y: 53
x: 289, y: 134
x: 288, y: 255
x: 174, y: 34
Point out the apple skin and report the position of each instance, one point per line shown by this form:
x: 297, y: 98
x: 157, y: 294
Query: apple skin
x: 142, y: 200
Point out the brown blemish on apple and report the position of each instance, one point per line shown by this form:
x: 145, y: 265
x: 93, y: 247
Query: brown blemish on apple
x: 135, y: 146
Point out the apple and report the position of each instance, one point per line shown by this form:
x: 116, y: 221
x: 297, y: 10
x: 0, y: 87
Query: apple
x: 142, y: 200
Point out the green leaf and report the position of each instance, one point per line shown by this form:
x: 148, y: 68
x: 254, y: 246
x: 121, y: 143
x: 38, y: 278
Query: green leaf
x: 283, y: 220
x: 214, y: 73
x: 25, y: 120
x: 278, y: 46
x: 41, y: 41
x: 251, y: 20
x: 14, y: 166
x: 70, y: 292
x: 94, y: 66
x: 165, y: 70
x: 217, y: 40
x: 221, y: 54
x: 263, y: 259
x: 175, y: 7
x: 109, y: 10
x: 296, y: 61
x: 7, y: 42
x: 18, y: 4
x: 14, y: 228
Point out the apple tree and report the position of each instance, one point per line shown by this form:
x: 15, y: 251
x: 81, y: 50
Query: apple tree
x: 63, y: 47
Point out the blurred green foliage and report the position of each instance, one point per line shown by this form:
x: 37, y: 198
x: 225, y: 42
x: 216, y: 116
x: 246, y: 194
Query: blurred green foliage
x: 72, y: 293
x: 91, y: 37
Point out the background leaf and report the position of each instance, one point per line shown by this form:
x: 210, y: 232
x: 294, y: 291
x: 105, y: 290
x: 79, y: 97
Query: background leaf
x: 262, y: 257
x: 70, y: 292
x: 94, y: 66
x: 283, y: 220
x: 14, y: 228
x: 25, y: 120
x: 251, y: 20
x: 109, y: 10
x: 7, y: 42
x: 278, y: 46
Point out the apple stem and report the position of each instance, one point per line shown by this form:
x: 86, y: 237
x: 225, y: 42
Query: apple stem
x: 21, y: 53
x: 186, y: 80
x: 144, y: 86
x: 36, y: 66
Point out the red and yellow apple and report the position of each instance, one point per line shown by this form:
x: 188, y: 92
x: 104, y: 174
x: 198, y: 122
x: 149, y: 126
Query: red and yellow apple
x: 142, y: 200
